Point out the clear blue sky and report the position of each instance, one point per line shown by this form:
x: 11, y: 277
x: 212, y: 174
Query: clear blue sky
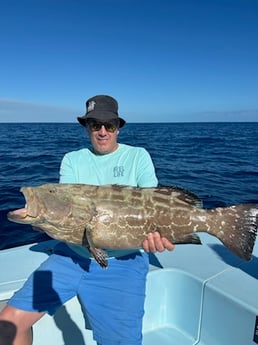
x: 163, y: 60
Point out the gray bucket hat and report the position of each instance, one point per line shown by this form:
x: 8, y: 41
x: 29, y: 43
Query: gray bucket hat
x: 102, y: 108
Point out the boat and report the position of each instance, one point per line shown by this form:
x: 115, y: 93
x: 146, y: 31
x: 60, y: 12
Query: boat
x: 195, y: 295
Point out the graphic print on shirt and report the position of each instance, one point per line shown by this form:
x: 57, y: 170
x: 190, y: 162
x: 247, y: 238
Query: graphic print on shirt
x: 118, y: 171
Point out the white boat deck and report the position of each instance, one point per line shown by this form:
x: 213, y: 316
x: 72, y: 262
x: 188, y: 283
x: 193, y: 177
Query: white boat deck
x: 202, y: 295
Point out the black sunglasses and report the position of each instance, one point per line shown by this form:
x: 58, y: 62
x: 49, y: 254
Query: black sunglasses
x: 95, y: 125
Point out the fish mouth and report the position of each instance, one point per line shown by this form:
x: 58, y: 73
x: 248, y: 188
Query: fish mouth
x: 22, y: 216
x: 31, y: 205
x: 29, y: 212
x: 18, y: 215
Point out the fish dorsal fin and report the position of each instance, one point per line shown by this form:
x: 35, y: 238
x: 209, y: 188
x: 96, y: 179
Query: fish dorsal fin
x: 189, y: 197
x: 183, y: 195
x: 180, y: 193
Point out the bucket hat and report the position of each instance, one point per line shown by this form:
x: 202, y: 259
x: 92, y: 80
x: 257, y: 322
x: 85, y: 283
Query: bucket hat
x: 102, y: 108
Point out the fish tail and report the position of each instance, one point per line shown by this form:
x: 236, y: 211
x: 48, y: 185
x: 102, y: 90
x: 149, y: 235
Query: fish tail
x: 238, y: 229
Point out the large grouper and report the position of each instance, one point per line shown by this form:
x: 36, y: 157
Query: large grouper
x: 120, y: 217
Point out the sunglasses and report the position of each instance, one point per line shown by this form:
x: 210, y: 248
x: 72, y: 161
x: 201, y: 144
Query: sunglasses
x: 95, y: 125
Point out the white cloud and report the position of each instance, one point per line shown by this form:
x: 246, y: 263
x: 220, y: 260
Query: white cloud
x: 19, y: 111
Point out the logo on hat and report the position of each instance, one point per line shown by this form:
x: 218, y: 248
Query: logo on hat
x: 91, y: 105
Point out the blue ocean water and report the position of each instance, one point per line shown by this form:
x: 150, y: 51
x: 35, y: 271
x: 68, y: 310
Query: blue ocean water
x: 217, y: 161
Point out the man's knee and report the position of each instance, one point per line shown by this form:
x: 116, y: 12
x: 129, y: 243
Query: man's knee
x: 23, y: 320
x: 10, y: 313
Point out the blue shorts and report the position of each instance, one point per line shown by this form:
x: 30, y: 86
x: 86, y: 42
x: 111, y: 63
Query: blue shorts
x: 113, y: 298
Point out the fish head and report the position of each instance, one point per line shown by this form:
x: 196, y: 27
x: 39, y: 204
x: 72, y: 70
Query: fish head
x: 60, y: 210
x: 44, y: 204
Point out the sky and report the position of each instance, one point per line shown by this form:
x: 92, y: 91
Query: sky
x: 163, y: 60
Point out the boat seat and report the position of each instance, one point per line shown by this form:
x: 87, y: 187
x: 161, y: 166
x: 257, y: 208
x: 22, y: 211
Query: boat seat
x: 173, y: 297
x: 230, y: 307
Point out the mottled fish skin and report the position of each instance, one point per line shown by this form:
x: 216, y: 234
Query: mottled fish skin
x: 120, y: 217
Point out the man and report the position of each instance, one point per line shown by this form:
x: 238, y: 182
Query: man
x: 113, y: 299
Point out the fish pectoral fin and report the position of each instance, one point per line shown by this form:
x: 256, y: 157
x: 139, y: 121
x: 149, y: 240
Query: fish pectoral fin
x: 188, y: 238
x: 99, y: 255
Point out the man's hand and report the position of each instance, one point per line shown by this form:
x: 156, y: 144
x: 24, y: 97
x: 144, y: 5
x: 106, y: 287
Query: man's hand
x: 155, y: 243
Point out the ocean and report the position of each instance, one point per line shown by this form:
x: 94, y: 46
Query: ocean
x: 216, y: 161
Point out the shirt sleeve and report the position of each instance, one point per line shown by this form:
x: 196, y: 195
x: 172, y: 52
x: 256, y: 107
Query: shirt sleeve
x: 146, y: 176
x: 67, y: 173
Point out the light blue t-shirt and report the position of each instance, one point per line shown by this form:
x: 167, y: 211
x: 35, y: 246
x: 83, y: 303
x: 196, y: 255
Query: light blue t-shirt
x: 128, y: 165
